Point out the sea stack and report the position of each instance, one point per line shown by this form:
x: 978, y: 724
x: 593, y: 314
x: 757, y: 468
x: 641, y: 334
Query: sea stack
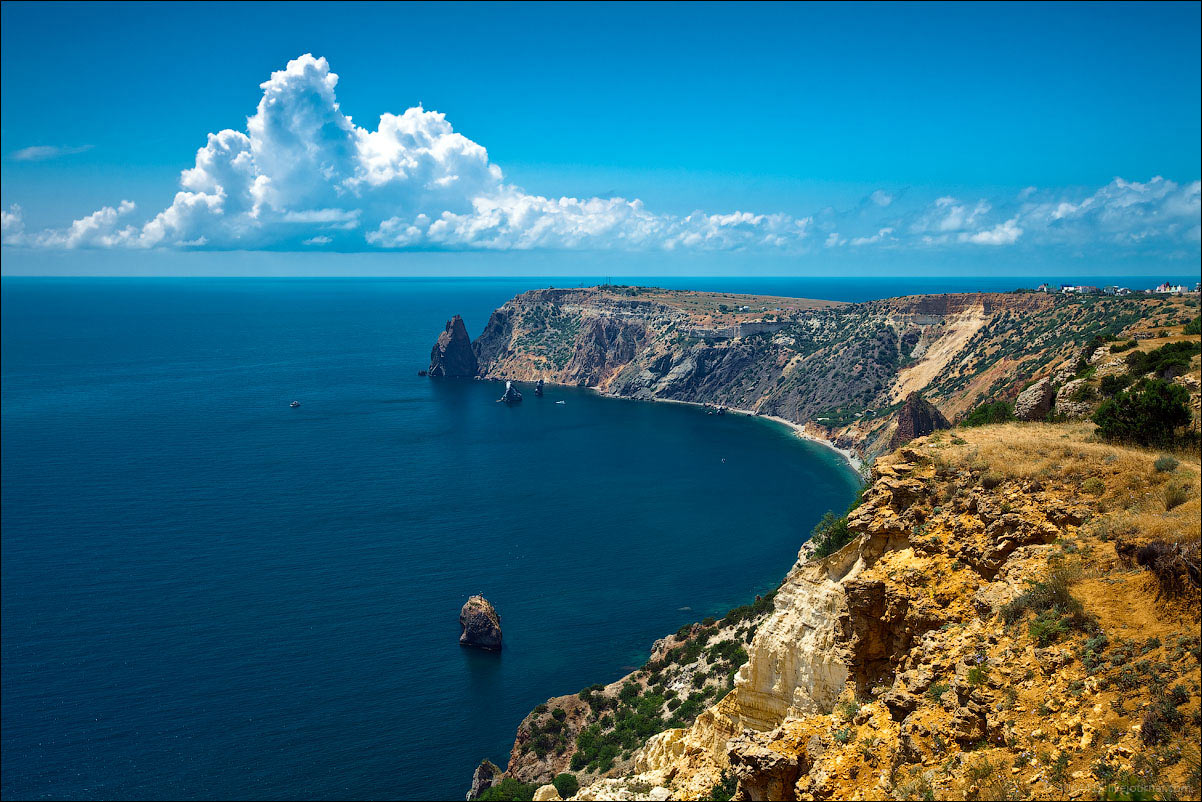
x: 452, y: 355
x: 481, y: 624
x: 511, y: 395
x: 917, y: 418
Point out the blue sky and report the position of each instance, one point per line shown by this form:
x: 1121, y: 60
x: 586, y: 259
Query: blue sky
x: 794, y: 139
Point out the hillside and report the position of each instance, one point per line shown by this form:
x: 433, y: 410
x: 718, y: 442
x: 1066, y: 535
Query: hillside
x: 988, y: 633
x: 843, y: 370
x: 1011, y: 610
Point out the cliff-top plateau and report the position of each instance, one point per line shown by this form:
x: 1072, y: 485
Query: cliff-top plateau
x: 1009, y: 610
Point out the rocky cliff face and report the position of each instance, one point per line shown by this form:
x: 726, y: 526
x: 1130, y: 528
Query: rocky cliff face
x: 452, y: 354
x: 974, y: 640
x: 844, y: 369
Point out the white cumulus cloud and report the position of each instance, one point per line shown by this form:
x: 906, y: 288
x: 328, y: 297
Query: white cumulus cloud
x: 303, y: 174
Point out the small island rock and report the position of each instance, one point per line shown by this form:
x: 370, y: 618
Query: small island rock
x: 485, y: 776
x: 481, y: 624
x: 452, y: 355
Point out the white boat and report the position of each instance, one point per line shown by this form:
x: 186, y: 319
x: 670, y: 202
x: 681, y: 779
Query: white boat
x: 561, y: 402
x: 295, y: 404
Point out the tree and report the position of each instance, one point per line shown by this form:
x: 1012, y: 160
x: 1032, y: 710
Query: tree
x: 1148, y: 414
x: 566, y: 784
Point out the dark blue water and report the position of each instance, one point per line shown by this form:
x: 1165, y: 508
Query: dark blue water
x: 207, y: 594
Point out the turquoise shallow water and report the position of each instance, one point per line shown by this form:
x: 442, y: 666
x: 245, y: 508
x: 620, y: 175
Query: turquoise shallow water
x: 207, y: 594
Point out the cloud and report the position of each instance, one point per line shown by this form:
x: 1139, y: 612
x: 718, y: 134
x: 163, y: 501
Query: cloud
x: 303, y: 174
x: 880, y: 236
x: 39, y: 153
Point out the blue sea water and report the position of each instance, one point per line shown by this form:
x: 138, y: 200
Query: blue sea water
x: 208, y: 594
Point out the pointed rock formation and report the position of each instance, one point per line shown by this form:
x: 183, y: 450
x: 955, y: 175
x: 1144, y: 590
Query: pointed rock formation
x: 452, y: 354
x: 485, y: 776
x: 917, y: 418
x: 481, y: 624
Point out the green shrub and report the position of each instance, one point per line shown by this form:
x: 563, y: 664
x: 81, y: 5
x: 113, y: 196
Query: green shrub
x: 1118, y: 348
x: 1114, y: 383
x: 936, y: 690
x: 830, y: 535
x: 559, y: 714
x: 978, y: 675
x: 724, y: 789
x: 1175, y: 496
x: 843, y: 735
x: 566, y: 784
x: 1165, y: 464
x: 1057, y: 611
x: 509, y: 789
x: 1166, y: 361
x: 991, y: 412
x: 1148, y: 414
x: 1194, y: 326
x: 1093, y: 486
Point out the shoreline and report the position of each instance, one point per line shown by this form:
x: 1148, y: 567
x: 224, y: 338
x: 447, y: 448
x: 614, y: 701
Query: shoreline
x: 799, y: 429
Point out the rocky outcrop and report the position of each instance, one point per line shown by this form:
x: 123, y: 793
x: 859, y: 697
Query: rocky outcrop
x: 1068, y: 405
x: 511, y: 395
x: 917, y: 418
x: 483, y: 778
x: 1035, y: 402
x: 481, y: 624
x: 452, y: 355
x: 894, y: 654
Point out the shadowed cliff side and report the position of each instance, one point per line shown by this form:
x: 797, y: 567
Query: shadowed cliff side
x: 452, y: 354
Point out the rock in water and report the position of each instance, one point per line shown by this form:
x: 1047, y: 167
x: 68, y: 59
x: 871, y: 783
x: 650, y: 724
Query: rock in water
x: 481, y: 624
x: 1035, y: 402
x: 538, y: 388
x: 452, y: 354
x: 917, y: 418
x: 483, y: 778
x: 511, y: 396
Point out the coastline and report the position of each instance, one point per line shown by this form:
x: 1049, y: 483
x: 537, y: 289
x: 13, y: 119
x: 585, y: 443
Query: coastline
x: 854, y: 462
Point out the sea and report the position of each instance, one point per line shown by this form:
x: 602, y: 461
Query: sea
x: 210, y: 594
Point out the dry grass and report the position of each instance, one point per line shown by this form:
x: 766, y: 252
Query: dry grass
x: 1120, y: 483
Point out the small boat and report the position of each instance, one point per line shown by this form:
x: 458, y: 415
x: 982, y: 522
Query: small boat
x: 295, y: 404
x: 561, y: 402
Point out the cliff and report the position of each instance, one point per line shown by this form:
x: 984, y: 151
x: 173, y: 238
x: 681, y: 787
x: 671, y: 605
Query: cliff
x: 1013, y: 611
x: 986, y: 634
x: 452, y: 354
x: 845, y: 370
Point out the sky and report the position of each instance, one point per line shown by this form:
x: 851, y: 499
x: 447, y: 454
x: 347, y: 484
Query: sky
x: 510, y: 139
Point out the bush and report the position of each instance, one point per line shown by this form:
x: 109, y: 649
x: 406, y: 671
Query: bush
x: 990, y: 480
x: 1175, y: 496
x: 1118, y: 348
x: 994, y: 412
x: 1057, y: 611
x: 1148, y: 414
x: 559, y: 714
x: 830, y: 535
x: 566, y: 784
x: 1165, y: 464
x: 509, y: 789
x: 724, y: 789
x: 1114, y: 383
x: 1166, y: 361
x: 1093, y: 486
x: 1194, y: 326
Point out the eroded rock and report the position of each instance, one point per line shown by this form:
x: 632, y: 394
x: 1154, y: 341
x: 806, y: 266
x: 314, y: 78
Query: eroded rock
x: 481, y: 624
